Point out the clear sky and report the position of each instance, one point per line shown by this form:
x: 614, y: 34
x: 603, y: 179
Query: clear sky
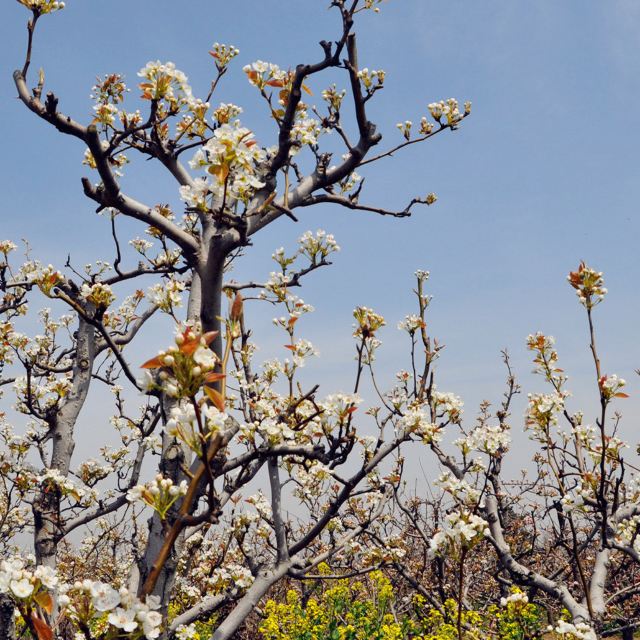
x: 543, y: 174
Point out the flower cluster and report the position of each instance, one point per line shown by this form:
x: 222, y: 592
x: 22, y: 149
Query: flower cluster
x: 98, y: 294
x: 578, y: 631
x: 367, y: 322
x: 425, y: 126
x: 573, y: 501
x: 448, y: 110
x: 416, y: 420
x: 460, y: 489
x: 42, y: 6
x: 52, y: 479
x: 88, y: 600
x: 350, y: 182
x: 589, y: 285
x: 184, y: 424
x: 491, y: 440
x: 187, y: 632
x: 430, y: 199
x: 91, y: 471
x: 184, y: 367
x: 405, y: 128
x: 610, y: 387
x: 110, y: 89
x: 166, y: 295
x: 301, y: 349
x: 116, y: 161
x: 546, y: 358
x: 223, y: 54
x: 371, y: 79
x: 159, y: 494
x: 108, y: 93
x: 194, y: 121
x: 164, y: 82
x: 232, y: 157
x: 141, y: 245
x: 627, y: 533
x: 6, y: 247
x: 448, y: 404
x: 543, y: 409
x: 612, y: 449
x: 340, y: 405
x: 372, y: 4
x: 230, y: 575
x: 516, y: 597
x: 317, y: 247
x: 463, y: 530
x: 44, y: 394
x: 22, y: 583
x: 164, y: 211
x: 333, y: 97
x: 265, y: 74
x: 83, y: 603
x: 305, y: 131
x: 226, y: 112
x: 411, y: 324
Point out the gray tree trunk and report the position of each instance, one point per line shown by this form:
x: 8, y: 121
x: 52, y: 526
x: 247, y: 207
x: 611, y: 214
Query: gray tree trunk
x: 47, y: 506
x: 7, y: 626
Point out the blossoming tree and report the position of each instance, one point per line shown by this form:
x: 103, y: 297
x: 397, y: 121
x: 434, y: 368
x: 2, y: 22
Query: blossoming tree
x: 212, y: 420
x: 568, y: 532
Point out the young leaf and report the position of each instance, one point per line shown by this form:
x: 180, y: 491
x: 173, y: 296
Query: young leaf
x: 154, y: 363
x: 236, y: 307
x: 43, y: 630
x: 44, y: 599
x: 214, y: 377
x: 215, y: 397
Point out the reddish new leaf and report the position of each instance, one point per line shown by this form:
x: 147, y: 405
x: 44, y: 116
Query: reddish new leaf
x: 214, y: 377
x: 42, y: 629
x: 215, y: 397
x: 44, y: 599
x: 189, y: 346
x: 154, y: 363
x: 236, y: 307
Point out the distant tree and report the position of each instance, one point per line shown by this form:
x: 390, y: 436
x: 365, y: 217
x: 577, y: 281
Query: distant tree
x: 568, y: 532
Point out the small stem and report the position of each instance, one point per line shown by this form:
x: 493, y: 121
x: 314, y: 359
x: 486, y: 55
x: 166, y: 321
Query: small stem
x: 31, y: 25
x: 460, y: 592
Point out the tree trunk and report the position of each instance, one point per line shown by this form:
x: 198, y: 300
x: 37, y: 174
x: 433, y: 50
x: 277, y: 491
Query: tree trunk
x: 7, y: 627
x: 173, y: 459
x: 211, y: 278
x: 46, y: 508
x: 205, y: 304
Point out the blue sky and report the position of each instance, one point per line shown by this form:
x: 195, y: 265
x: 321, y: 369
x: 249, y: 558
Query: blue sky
x: 543, y: 174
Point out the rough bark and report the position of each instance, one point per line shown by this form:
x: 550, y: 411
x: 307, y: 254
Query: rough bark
x: 174, y: 458
x: 47, y: 505
x: 205, y: 302
x: 7, y: 627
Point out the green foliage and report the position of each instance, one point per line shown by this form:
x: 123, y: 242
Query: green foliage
x: 368, y: 609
